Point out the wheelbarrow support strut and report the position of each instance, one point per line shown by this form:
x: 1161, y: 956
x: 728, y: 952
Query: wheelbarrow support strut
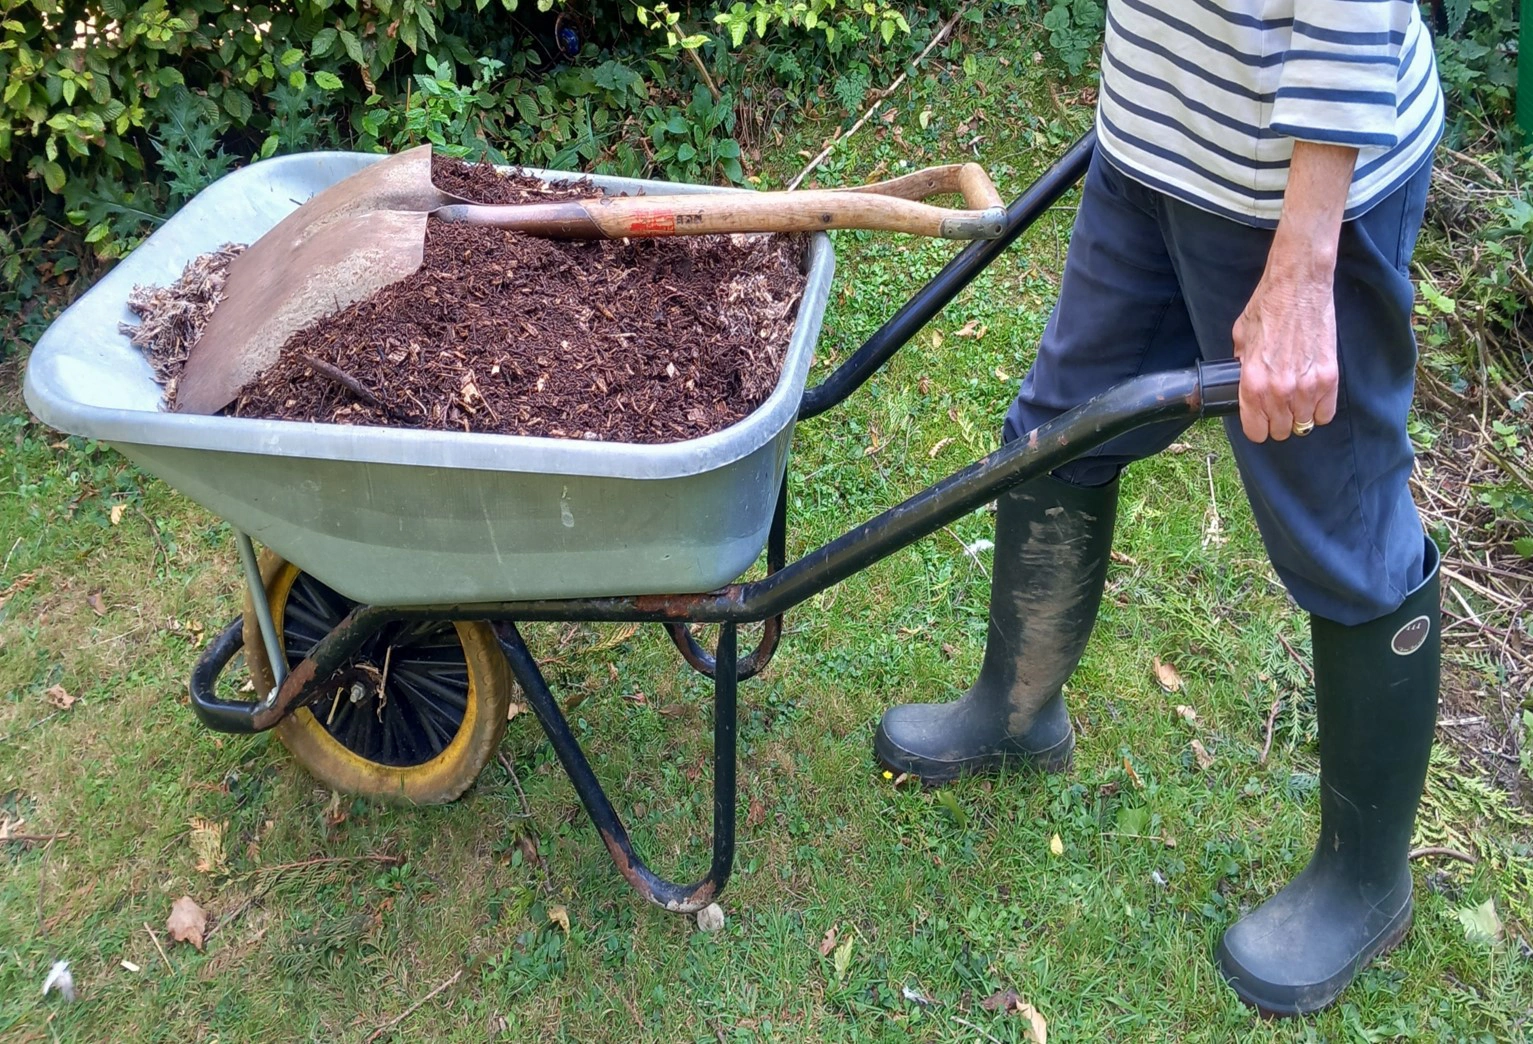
x: 674, y: 897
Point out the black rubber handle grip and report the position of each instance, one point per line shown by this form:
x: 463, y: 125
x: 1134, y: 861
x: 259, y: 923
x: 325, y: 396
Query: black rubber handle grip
x: 1219, y: 384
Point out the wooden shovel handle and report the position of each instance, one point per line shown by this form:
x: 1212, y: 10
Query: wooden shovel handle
x: 888, y: 206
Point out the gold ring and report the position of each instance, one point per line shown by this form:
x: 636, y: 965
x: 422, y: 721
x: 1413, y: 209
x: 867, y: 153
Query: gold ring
x: 1303, y: 428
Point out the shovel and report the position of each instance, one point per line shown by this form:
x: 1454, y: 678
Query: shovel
x: 369, y: 231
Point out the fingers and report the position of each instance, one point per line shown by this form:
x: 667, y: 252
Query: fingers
x: 1273, y: 402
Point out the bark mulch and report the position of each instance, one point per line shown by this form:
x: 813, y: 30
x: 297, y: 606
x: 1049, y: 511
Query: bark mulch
x: 644, y: 340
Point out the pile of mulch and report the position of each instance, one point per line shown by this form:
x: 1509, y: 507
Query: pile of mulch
x: 645, y: 340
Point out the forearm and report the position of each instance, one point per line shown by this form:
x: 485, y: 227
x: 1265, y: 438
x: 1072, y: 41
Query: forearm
x: 1304, y: 245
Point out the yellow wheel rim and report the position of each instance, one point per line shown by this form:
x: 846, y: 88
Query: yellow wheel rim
x: 403, y: 747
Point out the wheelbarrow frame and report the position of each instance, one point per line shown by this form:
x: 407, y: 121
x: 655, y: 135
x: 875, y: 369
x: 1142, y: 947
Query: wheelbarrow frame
x: 1208, y: 389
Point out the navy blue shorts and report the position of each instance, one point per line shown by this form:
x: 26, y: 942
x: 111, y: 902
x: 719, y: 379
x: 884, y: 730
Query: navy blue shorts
x: 1152, y: 283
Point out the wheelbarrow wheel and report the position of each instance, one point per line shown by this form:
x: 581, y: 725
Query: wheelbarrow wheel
x: 445, y: 691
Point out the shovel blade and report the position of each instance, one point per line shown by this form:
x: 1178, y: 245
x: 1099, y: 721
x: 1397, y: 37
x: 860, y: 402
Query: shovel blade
x: 346, y: 243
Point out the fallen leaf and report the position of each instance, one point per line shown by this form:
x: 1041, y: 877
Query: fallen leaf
x: 756, y: 814
x: 117, y: 510
x: 936, y: 338
x: 924, y: 385
x: 843, y: 957
x: 1205, y: 759
x: 128, y: 965
x: 335, y: 815
x: 1056, y: 846
x: 513, y: 709
x: 673, y: 710
x: 1481, y: 925
x: 187, y: 921
x: 1001, y: 375
x: 948, y: 650
x: 710, y: 918
x: 97, y: 605
x: 557, y: 914
x: 59, y: 697
x: 1176, y: 449
x: 1128, y: 766
x: 1187, y: 714
x: 829, y: 942
x: 1168, y: 677
x: 1008, y: 1002
x: 207, y: 842
x: 1122, y: 559
x: 925, y: 118
x: 937, y: 447
x: 973, y: 328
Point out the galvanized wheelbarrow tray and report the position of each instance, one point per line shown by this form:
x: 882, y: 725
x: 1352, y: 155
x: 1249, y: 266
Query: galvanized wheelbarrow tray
x: 382, y: 628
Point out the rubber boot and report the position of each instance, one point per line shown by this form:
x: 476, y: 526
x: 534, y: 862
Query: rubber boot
x: 1052, y: 545
x: 1376, y: 704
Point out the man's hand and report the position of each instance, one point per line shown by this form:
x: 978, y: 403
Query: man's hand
x: 1286, y: 337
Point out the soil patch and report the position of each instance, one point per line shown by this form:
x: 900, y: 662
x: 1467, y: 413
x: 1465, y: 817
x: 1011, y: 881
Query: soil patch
x: 645, y: 340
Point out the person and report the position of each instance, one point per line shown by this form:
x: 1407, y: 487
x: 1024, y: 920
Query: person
x: 1256, y: 192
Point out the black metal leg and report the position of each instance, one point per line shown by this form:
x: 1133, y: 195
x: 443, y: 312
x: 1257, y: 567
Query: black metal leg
x: 755, y: 661
x: 677, y: 898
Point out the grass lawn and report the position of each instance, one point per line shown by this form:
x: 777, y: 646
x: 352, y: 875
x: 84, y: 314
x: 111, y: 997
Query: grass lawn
x: 858, y: 910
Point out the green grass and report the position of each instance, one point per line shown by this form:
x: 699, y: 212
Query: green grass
x: 954, y: 900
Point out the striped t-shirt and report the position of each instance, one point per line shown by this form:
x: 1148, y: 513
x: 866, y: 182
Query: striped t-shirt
x: 1203, y: 99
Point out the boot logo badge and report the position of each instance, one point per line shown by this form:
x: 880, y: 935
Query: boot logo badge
x: 1410, y: 637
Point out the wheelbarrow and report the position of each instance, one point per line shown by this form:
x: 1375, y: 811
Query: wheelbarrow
x: 382, y: 624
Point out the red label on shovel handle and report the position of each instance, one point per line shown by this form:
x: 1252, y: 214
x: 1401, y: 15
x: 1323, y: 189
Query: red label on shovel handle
x: 654, y: 221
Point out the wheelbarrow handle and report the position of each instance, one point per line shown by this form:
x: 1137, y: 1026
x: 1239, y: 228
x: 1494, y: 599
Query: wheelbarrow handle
x: 887, y: 206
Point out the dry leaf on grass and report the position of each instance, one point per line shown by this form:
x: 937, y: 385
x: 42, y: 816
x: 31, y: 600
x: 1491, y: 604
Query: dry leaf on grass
x: 557, y: 914
x: 96, y: 604
x: 117, y: 510
x: 187, y: 921
x: 1187, y: 714
x: 1056, y: 846
x: 829, y: 942
x: 1008, y: 1002
x: 710, y: 918
x: 973, y: 328
x: 59, y: 697
x: 1205, y: 759
x: 1168, y: 677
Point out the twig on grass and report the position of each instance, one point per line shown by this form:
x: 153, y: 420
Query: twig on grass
x: 968, y: 550
x: 965, y: 1022
x: 505, y: 763
x: 882, y: 97
x: 1271, y: 722
x: 1439, y: 850
x: 32, y: 838
x: 1308, y: 670
x: 157, y: 946
x: 154, y: 531
x: 412, y: 1009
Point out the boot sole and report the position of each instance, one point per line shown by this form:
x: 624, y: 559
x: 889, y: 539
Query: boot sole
x: 931, y: 773
x: 1317, y: 998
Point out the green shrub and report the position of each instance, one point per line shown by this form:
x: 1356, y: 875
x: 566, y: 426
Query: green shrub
x: 113, y: 113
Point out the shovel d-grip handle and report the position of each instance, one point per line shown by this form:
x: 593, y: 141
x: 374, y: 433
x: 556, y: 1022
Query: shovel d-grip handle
x: 886, y: 206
